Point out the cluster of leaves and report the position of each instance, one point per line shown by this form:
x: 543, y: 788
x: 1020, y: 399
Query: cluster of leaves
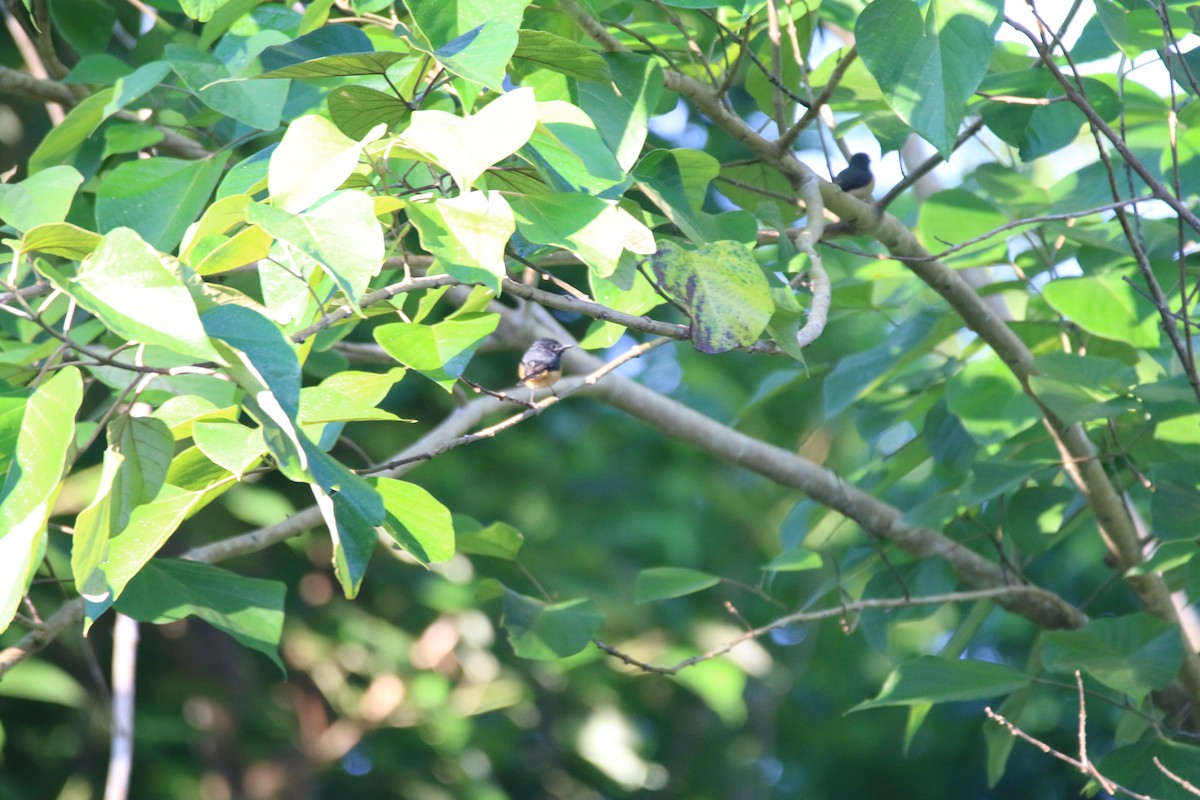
x: 185, y: 319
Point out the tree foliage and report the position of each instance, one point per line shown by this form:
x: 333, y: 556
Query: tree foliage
x: 268, y: 272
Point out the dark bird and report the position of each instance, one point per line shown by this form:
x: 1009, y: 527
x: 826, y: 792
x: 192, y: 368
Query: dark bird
x: 857, y: 179
x: 541, y: 366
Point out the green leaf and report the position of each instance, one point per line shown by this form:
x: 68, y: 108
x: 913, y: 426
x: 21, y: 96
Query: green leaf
x: 352, y: 510
x: 569, y: 152
x: 229, y: 445
x: 933, y: 679
x: 312, y: 161
x: 43, y: 454
x: 1138, y: 30
x: 467, y: 234
x: 795, y: 560
x: 1134, y: 654
x: 553, y: 52
x: 42, y: 682
x: 498, y: 540
x: 1136, y: 766
x: 416, y: 520
x: 723, y: 289
x: 474, y: 39
x: 440, y: 352
x: 956, y: 215
x: 202, y: 10
x: 1041, y: 129
x: 622, y: 110
x: 40, y: 199
x: 150, y: 525
x: 265, y: 365
x: 358, y: 109
x: 93, y: 528
x: 125, y: 283
x: 929, y: 68
x: 663, y: 583
x: 258, y: 104
x: 328, y: 42
x: 157, y: 197
x: 248, y: 609
x: 466, y: 146
x: 1168, y: 556
x: 341, y: 232
x: 146, y: 444
x: 66, y: 137
x: 588, y: 226
x: 61, y: 239
x: 1106, y: 306
x: 134, y: 85
x: 348, y: 396
x: 129, y: 138
x: 335, y: 66
x: 542, y: 632
x: 989, y: 400
x: 677, y: 182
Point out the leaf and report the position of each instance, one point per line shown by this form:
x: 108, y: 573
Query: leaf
x: 934, y: 679
x: 265, y: 365
x: 258, y: 104
x: 1134, y: 654
x: 147, y: 446
x: 466, y: 146
x: 150, y: 525
x: 66, y: 137
x: 157, y: 197
x: 136, y: 84
x: 313, y: 160
x: 248, y: 609
x: 929, y: 68
x: 43, y: 454
x: 229, y: 445
x: 1137, y: 30
x: 553, y: 52
x: 61, y: 239
x: 677, y: 182
x: 467, y: 234
x: 585, y: 225
x: 722, y: 288
x: 348, y: 396
x: 569, y: 152
x: 956, y: 215
x: 544, y: 632
x: 42, y: 682
x: 474, y: 39
x: 416, y: 520
x: 441, y: 351
x: 352, y: 510
x: 341, y: 232
x: 1106, y: 306
x: 795, y: 560
x: 326, y: 42
x: 125, y: 283
x: 40, y: 199
x: 498, y: 540
x: 622, y: 110
x: 989, y: 401
x: 202, y: 10
x: 358, y: 109
x: 664, y: 583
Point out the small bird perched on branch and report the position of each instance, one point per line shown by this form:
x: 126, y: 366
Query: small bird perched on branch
x: 857, y: 179
x: 541, y: 366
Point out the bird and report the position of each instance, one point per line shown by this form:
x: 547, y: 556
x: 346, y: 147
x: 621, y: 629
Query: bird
x: 541, y: 366
x: 857, y: 179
